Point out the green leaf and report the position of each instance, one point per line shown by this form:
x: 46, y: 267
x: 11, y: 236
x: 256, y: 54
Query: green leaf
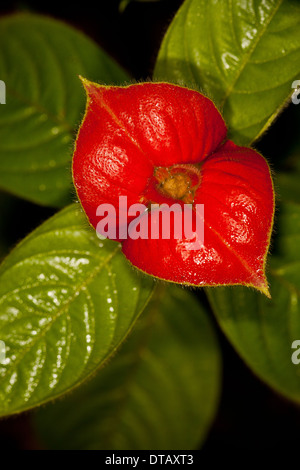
x: 262, y: 330
x: 288, y: 186
x: 40, y: 60
x: 287, y: 183
x: 67, y: 300
x: 243, y: 55
x: 159, y: 392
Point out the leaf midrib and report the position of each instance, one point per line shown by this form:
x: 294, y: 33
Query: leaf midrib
x: 77, y: 291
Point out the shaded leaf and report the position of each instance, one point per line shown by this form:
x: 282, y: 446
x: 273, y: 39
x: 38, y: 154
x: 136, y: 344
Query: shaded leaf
x: 262, y: 330
x: 159, y: 392
x: 288, y: 182
x: 40, y: 60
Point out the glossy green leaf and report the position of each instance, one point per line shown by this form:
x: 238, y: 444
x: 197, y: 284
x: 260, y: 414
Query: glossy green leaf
x: 67, y: 299
x: 263, y: 330
x: 40, y: 60
x: 243, y: 54
x: 159, y: 392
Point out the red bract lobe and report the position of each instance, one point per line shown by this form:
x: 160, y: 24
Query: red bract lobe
x: 158, y: 143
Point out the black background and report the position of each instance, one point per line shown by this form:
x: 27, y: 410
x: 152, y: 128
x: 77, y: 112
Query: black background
x: 251, y: 416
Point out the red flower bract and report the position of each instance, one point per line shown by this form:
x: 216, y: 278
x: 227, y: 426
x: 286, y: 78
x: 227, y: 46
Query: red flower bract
x: 162, y: 143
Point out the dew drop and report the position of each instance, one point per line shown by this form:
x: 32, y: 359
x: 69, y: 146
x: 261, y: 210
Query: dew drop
x: 88, y: 338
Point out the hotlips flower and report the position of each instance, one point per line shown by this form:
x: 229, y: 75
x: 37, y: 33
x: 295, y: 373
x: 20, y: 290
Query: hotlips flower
x: 157, y: 143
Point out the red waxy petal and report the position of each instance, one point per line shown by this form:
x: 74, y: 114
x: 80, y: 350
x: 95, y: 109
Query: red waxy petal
x: 127, y: 131
x: 237, y: 193
x: 162, y: 143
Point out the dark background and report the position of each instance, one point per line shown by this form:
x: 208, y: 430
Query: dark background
x: 251, y: 416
